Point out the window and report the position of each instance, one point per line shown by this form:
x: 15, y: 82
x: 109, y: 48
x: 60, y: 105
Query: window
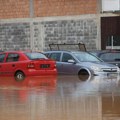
x: 86, y: 57
x: 66, y: 57
x: 35, y: 55
x: 47, y: 54
x: 113, y: 42
x: 110, y: 56
x: 55, y: 56
x: 2, y: 56
x: 12, y: 57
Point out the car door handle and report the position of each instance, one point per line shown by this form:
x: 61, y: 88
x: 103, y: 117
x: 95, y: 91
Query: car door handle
x: 13, y: 65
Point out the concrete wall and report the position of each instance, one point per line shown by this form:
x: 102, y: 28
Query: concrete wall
x: 71, y: 31
x: 38, y: 33
x: 14, y: 35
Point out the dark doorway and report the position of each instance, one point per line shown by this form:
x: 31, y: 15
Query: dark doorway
x: 110, y: 32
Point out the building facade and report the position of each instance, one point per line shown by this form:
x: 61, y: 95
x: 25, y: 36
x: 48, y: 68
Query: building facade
x: 34, y: 24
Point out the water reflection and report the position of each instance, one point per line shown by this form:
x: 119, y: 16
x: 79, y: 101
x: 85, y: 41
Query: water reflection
x: 110, y: 107
x: 29, y: 82
x: 94, y: 84
x: 60, y: 98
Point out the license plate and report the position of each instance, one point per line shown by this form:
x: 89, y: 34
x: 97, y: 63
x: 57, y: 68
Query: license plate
x: 112, y: 74
x: 44, y: 65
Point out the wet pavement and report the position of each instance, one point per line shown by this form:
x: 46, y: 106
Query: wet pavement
x: 60, y: 98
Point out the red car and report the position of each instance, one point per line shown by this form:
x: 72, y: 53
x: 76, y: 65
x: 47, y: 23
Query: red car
x: 20, y: 64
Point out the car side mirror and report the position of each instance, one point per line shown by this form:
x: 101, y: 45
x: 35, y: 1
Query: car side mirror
x: 71, y: 61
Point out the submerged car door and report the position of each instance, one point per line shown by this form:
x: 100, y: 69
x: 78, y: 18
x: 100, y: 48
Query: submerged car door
x: 2, y: 58
x: 10, y: 63
x: 68, y: 67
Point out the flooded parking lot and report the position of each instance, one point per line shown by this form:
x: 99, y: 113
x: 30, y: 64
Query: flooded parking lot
x: 60, y: 98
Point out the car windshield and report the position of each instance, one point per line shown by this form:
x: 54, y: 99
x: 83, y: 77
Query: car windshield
x: 86, y: 57
x: 35, y: 55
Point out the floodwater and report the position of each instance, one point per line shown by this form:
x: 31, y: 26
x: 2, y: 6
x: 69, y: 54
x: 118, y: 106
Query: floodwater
x: 60, y: 98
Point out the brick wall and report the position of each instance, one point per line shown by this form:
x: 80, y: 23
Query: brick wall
x: 64, y: 7
x: 14, y: 9
x: 42, y: 8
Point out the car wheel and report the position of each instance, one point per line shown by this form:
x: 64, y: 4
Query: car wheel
x: 19, y: 76
x: 83, y: 75
x: 83, y: 72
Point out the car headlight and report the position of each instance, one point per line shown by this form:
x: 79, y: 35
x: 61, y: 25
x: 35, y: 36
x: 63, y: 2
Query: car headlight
x: 95, y: 68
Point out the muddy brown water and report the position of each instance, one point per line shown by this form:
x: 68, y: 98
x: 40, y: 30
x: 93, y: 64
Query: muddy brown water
x: 60, y: 98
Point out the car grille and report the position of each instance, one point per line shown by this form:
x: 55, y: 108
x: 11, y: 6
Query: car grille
x: 109, y: 69
x: 45, y: 66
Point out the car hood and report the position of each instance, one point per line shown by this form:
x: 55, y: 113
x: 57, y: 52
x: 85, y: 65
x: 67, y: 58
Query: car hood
x: 98, y: 64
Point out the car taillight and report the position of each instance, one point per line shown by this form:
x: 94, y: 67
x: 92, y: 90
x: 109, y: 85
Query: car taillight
x: 55, y: 66
x: 31, y: 65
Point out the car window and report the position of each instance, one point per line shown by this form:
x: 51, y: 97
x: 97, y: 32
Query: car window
x: 55, y: 56
x: 47, y: 54
x: 12, y: 57
x: 35, y: 55
x: 86, y: 57
x: 110, y: 56
x: 66, y: 57
x: 2, y: 56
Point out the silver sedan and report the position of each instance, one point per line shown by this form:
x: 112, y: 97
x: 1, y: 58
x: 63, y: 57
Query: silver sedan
x: 80, y: 63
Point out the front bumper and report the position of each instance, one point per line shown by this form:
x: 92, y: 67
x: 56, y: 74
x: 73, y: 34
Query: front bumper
x: 107, y: 73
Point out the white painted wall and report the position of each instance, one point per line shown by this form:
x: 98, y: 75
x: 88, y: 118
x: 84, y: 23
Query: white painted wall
x: 110, y: 5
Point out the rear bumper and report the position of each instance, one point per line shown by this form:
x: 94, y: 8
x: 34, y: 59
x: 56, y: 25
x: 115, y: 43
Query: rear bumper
x: 33, y: 72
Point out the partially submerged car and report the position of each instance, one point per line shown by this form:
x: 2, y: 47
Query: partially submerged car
x: 25, y: 63
x: 80, y: 63
x: 109, y: 56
